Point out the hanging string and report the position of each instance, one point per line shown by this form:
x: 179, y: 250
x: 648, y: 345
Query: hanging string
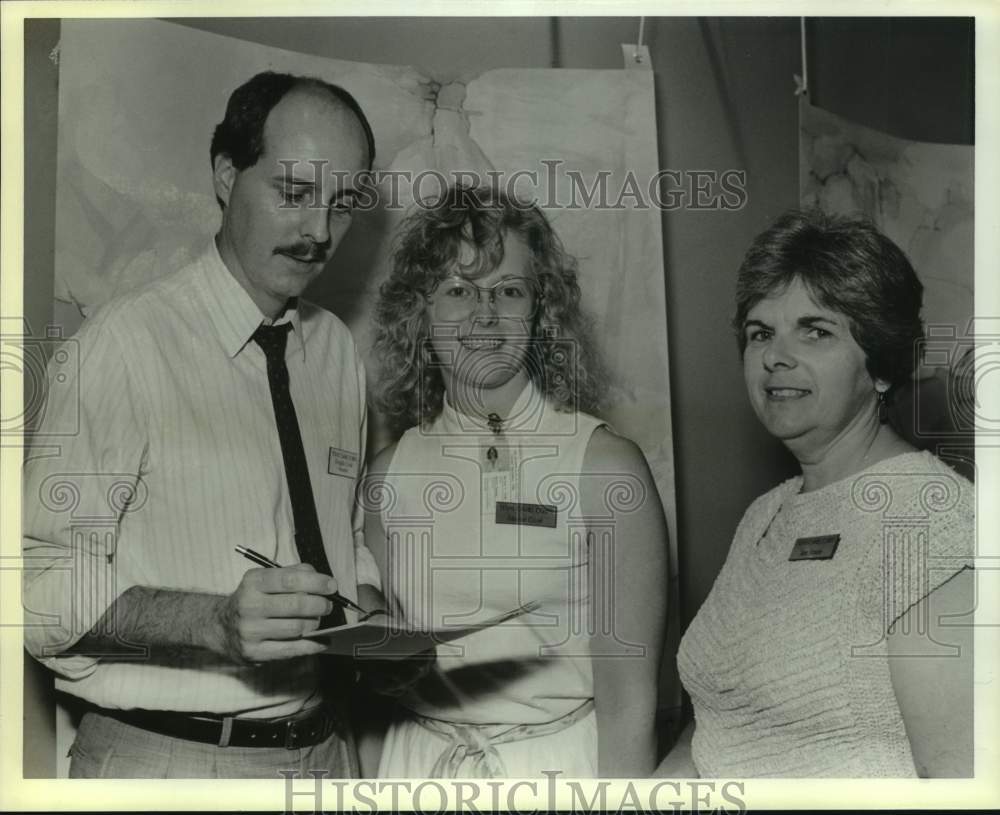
x: 638, y: 40
x: 802, y: 82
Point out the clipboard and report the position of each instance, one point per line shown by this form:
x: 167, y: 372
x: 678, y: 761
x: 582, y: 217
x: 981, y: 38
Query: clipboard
x: 386, y: 638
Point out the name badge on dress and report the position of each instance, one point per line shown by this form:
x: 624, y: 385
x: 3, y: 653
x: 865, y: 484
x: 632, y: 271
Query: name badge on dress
x: 509, y: 512
x: 821, y: 547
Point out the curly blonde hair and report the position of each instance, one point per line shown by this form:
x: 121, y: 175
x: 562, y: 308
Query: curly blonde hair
x: 464, y: 231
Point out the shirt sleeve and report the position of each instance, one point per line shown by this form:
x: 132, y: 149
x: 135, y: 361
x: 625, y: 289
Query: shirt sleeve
x: 934, y: 542
x: 80, y: 477
x: 365, y: 568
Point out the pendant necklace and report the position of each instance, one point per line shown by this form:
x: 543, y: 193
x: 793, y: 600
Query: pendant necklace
x: 495, y: 424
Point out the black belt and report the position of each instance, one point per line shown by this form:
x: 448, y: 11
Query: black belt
x: 300, y: 730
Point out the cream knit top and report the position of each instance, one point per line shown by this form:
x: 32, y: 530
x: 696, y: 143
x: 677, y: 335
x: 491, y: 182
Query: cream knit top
x: 786, y: 662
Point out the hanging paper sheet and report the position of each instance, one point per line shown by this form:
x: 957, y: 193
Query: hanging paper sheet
x: 921, y: 195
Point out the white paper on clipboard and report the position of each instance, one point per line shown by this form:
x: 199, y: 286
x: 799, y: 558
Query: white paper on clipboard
x: 382, y: 638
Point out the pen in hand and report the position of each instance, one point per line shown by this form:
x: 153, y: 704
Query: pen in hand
x: 336, y: 597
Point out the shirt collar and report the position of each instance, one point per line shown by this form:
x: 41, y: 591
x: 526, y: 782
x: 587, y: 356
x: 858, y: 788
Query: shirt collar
x: 290, y: 315
x: 528, y: 414
x: 234, y: 313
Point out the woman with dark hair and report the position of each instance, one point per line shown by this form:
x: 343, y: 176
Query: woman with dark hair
x: 819, y: 650
x: 503, y: 491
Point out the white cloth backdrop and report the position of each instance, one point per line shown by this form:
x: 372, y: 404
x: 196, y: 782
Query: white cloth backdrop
x: 138, y: 101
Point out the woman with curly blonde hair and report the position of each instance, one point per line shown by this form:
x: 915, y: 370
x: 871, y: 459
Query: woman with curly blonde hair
x: 504, y: 490
x: 466, y: 230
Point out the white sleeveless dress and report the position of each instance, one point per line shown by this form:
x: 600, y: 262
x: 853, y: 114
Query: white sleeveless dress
x: 515, y: 700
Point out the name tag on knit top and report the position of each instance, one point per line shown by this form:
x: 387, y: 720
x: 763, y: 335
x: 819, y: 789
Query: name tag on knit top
x: 342, y: 462
x: 509, y: 512
x: 821, y: 547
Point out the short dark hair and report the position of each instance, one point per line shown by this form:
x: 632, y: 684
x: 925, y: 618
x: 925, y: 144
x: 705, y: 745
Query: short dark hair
x: 849, y: 266
x: 240, y: 135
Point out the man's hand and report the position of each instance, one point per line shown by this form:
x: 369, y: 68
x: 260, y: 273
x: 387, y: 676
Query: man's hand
x: 271, y: 609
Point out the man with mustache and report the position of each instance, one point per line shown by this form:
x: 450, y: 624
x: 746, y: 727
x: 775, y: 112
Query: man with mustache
x: 233, y: 413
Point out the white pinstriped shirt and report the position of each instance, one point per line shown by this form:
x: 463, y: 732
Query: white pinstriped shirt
x: 159, y: 457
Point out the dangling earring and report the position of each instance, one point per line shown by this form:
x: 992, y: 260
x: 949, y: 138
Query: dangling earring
x: 883, y: 406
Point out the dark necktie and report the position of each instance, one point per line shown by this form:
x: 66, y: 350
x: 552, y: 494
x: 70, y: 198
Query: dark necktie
x: 308, y: 537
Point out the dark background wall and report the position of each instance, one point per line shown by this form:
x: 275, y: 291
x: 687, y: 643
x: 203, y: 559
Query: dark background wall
x: 40, y: 108
x: 908, y: 76
x: 724, y: 101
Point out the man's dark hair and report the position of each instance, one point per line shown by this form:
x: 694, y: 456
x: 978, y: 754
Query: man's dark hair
x: 240, y: 135
x: 849, y: 266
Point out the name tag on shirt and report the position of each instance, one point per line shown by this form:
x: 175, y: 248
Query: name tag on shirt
x: 821, y: 547
x: 342, y: 462
x: 510, y: 512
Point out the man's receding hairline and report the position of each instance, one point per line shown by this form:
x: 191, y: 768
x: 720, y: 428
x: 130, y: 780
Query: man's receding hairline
x: 306, y: 88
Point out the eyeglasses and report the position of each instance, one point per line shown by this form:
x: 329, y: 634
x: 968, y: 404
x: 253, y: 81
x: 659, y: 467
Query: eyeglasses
x: 457, y: 298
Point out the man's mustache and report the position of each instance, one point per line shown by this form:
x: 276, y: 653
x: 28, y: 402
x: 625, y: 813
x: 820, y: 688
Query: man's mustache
x: 306, y: 250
